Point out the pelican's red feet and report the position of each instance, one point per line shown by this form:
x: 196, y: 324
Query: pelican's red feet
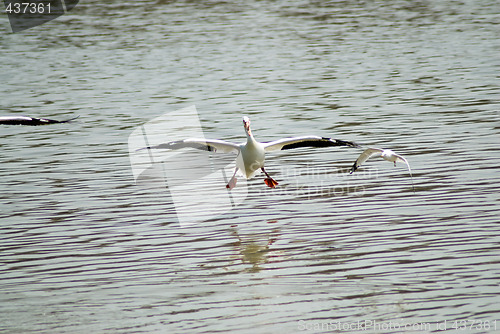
x: 270, y: 182
x: 231, y: 184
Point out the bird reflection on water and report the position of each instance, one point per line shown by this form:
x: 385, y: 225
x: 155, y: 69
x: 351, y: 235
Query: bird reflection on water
x: 256, y: 249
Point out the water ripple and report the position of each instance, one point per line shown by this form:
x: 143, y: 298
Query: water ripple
x: 84, y: 249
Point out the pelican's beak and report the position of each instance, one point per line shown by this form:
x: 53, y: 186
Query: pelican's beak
x: 246, y: 123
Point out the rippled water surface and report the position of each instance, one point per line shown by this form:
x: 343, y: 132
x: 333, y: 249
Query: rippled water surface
x: 83, y: 248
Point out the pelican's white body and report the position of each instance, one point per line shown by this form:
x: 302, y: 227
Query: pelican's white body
x: 251, y: 157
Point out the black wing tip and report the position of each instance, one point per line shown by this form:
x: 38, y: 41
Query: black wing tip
x: 53, y: 121
x: 143, y: 148
x: 69, y: 120
x: 44, y: 121
x: 179, y: 144
x: 165, y: 146
x: 353, y: 168
x: 340, y: 142
x: 323, y: 142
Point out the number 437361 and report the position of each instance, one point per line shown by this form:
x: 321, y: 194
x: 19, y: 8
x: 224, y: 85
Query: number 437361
x: 474, y: 324
x: 27, y: 8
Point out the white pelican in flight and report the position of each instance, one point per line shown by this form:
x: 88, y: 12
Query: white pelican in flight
x: 26, y: 120
x: 384, y: 154
x: 251, y: 154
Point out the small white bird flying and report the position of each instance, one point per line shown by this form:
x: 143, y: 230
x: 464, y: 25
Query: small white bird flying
x: 251, y: 154
x: 384, y: 154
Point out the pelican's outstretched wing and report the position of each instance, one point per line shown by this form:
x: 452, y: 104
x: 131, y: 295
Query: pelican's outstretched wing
x: 305, y: 141
x: 367, y: 154
x: 26, y: 120
x: 212, y: 145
